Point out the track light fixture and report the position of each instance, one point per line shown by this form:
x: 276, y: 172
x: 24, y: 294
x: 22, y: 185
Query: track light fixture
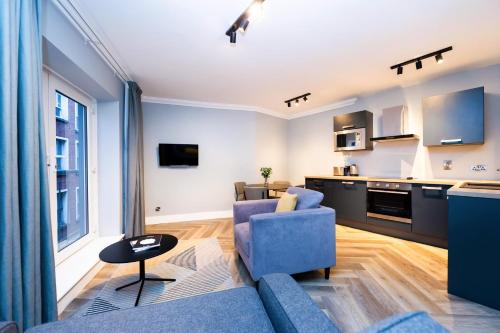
x: 439, y: 58
x: 418, y: 61
x: 242, y: 22
x: 296, y: 100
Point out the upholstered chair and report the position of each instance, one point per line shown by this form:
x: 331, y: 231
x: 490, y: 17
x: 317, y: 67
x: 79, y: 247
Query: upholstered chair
x: 290, y: 242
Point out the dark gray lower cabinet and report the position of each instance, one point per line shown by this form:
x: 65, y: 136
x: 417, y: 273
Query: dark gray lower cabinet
x: 348, y: 198
x: 430, y: 210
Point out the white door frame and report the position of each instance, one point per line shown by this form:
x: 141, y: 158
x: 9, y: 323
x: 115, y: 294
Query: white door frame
x: 52, y: 82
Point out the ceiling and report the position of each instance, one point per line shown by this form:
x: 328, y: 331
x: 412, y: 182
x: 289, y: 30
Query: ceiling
x: 335, y: 49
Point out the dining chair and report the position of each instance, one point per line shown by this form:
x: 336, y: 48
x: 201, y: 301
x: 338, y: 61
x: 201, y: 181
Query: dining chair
x: 286, y: 184
x: 239, y: 191
x: 255, y: 192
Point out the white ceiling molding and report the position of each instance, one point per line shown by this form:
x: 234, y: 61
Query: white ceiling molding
x: 210, y: 105
x: 324, y: 108
x: 239, y: 107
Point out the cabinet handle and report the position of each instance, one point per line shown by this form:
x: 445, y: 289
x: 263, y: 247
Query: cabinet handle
x: 348, y: 183
x: 451, y: 141
x: 391, y: 192
x: 432, y: 188
x: 348, y: 126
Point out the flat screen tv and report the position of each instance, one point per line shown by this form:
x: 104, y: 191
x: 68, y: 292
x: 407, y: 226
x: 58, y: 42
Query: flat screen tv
x: 178, y: 154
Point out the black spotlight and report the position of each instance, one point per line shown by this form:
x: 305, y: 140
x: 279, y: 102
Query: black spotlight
x: 289, y: 104
x: 418, y: 64
x: 232, y: 37
x: 400, y: 70
x: 439, y: 58
x: 305, y: 98
x: 296, y: 102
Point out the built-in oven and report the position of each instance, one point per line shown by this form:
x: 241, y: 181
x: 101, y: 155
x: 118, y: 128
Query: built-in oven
x: 350, y: 139
x: 389, y: 201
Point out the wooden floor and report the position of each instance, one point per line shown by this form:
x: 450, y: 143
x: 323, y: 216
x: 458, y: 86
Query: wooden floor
x: 376, y: 276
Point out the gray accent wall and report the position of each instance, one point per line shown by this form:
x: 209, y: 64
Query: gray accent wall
x: 310, y: 139
x: 233, y: 145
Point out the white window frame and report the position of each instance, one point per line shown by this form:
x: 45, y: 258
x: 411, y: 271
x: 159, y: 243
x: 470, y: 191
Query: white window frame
x: 53, y: 82
x: 64, y: 109
x: 64, y: 156
x: 77, y: 114
x: 77, y: 202
x: 77, y: 144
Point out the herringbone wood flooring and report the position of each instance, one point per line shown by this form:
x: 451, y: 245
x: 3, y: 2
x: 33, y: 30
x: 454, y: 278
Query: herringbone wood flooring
x: 375, y: 276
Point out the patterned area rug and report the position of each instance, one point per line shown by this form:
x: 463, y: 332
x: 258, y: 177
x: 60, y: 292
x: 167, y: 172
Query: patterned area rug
x: 198, y: 266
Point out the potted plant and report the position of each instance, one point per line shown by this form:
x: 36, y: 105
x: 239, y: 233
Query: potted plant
x: 266, y: 173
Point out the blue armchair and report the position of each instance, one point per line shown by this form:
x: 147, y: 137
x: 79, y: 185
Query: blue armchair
x: 291, y: 242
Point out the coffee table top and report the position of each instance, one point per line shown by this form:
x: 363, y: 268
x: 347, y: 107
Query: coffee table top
x: 121, y: 252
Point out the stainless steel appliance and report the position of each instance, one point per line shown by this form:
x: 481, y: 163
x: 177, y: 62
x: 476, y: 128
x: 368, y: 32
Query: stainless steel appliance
x: 389, y: 201
x: 350, y: 139
x: 353, y: 170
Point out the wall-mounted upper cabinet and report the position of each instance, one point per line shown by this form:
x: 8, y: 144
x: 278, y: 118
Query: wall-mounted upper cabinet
x: 346, y: 121
x: 454, y: 119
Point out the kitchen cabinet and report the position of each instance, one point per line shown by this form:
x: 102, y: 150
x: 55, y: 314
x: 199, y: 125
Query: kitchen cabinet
x: 360, y: 119
x: 456, y: 118
x: 316, y: 185
x: 348, y: 198
x: 430, y: 210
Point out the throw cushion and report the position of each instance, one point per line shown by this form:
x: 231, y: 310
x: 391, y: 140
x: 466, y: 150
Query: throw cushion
x: 306, y: 199
x: 286, y: 203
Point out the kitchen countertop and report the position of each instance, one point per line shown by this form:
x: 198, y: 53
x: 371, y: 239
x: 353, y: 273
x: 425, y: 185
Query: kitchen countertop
x: 398, y: 180
x: 455, y: 190
x: 473, y: 192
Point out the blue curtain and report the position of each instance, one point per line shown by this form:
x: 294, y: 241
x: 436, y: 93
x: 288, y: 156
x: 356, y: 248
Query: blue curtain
x: 27, y: 276
x: 133, y: 163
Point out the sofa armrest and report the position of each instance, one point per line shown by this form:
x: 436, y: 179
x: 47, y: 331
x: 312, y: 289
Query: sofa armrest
x: 292, y: 242
x: 290, y: 308
x: 412, y: 322
x: 8, y: 327
x: 242, y: 210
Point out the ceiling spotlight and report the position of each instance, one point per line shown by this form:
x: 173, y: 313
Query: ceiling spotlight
x: 418, y: 64
x: 305, y: 98
x: 297, y: 102
x: 232, y: 37
x: 400, y: 70
x: 439, y: 58
x: 289, y: 104
x: 254, y: 12
x: 241, y: 24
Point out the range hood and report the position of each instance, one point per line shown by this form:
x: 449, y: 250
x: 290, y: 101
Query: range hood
x: 395, y: 125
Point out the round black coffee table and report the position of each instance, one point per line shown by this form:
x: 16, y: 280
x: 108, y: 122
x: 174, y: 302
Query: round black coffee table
x: 121, y: 252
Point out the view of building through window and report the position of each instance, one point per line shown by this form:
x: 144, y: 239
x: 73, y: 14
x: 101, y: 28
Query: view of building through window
x: 71, y: 160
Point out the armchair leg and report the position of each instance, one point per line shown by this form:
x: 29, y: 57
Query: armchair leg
x: 327, y: 273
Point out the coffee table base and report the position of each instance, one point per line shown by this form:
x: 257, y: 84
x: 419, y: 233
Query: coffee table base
x: 142, y: 279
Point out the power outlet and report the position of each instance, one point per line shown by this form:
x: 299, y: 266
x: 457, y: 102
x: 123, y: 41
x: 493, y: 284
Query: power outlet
x: 478, y: 168
x: 447, y: 164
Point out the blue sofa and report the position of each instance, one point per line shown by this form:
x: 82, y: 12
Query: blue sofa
x: 291, y: 242
x: 278, y: 305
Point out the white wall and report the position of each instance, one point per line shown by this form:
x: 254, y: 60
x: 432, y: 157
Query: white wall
x: 310, y: 139
x: 233, y: 145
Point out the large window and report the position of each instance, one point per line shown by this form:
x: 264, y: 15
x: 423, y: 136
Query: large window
x: 71, y: 164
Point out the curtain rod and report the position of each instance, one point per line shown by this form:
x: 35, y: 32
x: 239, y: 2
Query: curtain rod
x: 94, y: 40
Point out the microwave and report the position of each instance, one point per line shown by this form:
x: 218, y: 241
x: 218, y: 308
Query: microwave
x: 351, y: 139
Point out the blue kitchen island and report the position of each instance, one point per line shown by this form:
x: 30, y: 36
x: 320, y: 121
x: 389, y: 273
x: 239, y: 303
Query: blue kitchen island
x: 474, y: 242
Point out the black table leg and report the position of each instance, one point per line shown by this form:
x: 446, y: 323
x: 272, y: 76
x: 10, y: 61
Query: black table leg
x: 142, y: 279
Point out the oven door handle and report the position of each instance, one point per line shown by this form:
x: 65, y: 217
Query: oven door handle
x: 391, y: 192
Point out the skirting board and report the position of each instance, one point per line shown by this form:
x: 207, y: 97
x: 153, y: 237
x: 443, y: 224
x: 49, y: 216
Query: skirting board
x: 189, y: 217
